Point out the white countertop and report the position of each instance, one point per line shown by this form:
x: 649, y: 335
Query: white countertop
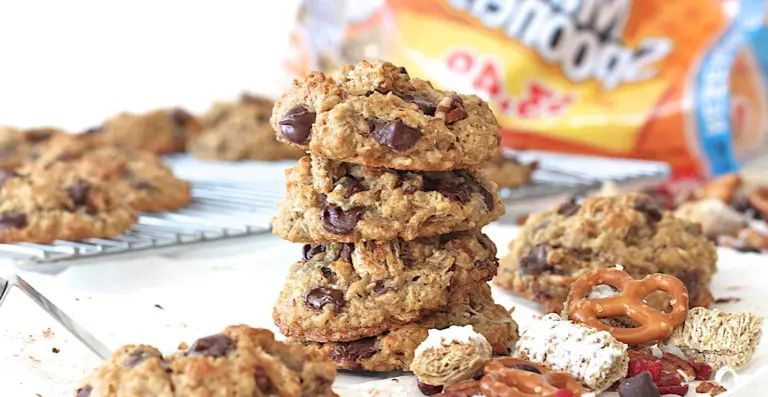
x: 201, y: 290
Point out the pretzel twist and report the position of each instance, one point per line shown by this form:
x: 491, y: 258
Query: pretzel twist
x: 502, y: 379
x: 629, y: 302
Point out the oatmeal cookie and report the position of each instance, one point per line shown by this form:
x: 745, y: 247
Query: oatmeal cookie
x: 374, y: 114
x: 240, y: 362
x: 162, y: 131
x: 18, y: 146
x: 557, y: 246
x: 139, y: 177
x: 234, y: 131
x: 342, y: 202
x: 507, y: 172
x: 60, y: 203
x: 394, y: 350
x: 347, y: 291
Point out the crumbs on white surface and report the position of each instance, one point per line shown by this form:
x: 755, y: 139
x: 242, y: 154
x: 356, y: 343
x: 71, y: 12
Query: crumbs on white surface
x: 438, y: 338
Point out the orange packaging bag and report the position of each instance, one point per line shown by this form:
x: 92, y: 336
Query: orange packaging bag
x: 681, y: 81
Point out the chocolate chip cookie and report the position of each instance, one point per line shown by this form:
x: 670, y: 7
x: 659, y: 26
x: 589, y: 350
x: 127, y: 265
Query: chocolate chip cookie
x: 17, y: 146
x: 374, y: 114
x: 240, y: 361
x: 60, y: 203
x: 346, y: 291
x: 394, y: 350
x: 343, y: 202
x: 507, y: 172
x: 162, y: 131
x: 234, y: 131
x: 139, y: 177
x: 557, y: 246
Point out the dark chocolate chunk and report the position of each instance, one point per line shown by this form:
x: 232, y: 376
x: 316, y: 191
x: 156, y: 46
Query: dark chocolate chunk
x: 380, y: 287
x: 535, y: 262
x: 691, y: 280
x: 426, y: 106
x: 84, y: 392
x: 144, y: 185
x: 403, y: 70
x: 353, y: 186
x: 337, y: 221
x: 310, y: 250
x: 640, y: 385
x: 13, y: 219
x: 646, y: 206
x: 429, y: 390
x: 296, y: 124
x: 319, y: 297
x: 568, y: 209
x: 78, y: 192
x: 217, y: 345
x: 395, y: 135
x: 137, y: 357
x: 180, y: 117
x: 352, y: 352
x: 346, y: 251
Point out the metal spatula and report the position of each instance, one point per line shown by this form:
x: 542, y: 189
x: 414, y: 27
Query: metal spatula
x: 62, y: 318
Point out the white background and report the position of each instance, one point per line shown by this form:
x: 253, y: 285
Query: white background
x: 73, y: 63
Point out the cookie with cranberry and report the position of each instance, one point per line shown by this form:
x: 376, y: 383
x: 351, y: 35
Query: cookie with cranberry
x: 18, y: 146
x: 234, y: 131
x: 61, y: 203
x: 163, y: 131
x: 557, y: 246
x: 239, y: 361
x: 333, y: 201
x: 139, y: 177
x: 393, y: 350
x: 375, y: 114
x: 347, y: 291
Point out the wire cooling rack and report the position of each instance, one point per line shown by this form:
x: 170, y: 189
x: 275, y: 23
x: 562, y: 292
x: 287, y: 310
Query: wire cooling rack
x: 237, y: 200
x: 219, y: 210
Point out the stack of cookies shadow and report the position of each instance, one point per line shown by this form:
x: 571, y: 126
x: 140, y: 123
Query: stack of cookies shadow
x: 390, y: 206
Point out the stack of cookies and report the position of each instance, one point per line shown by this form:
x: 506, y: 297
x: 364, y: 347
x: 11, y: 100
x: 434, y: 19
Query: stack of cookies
x: 390, y: 207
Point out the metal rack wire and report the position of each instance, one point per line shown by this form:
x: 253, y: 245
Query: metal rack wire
x: 229, y: 209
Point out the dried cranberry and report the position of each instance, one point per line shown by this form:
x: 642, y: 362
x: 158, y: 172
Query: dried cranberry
x: 679, y: 390
x: 429, y: 390
x: 703, y: 371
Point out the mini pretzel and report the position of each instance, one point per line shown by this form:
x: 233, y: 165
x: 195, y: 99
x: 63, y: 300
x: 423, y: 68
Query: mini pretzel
x: 502, y: 379
x: 653, y: 324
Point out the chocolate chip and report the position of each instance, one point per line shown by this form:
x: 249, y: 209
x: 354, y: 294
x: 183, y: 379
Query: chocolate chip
x: 540, y: 226
x: 215, y: 346
x: 691, y: 280
x: 338, y: 221
x: 296, y: 124
x: 429, y: 390
x: 395, y: 135
x: 459, y: 192
x: 535, y: 262
x: 144, y: 185
x: 328, y: 273
x: 426, y: 106
x: 649, y: 208
x: 353, y: 186
x: 179, y: 117
x: 403, y: 70
x: 346, y: 252
x: 37, y: 136
x: 319, y: 297
x: 13, y: 219
x: 568, y: 209
x: 84, y: 392
x: 6, y: 175
x: 310, y: 250
x: 487, y: 196
x: 137, y: 357
x: 640, y: 385
x: 78, y: 192
x: 525, y: 367
x: 380, y: 288
x: 352, y: 352
x: 453, y: 109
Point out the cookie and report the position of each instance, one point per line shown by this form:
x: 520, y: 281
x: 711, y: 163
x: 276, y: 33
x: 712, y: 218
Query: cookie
x: 507, y: 172
x: 374, y: 114
x: 557, y: 246
x: 139, y: 177
x: 234, y: 131
x: 162, y: 131
x: 347, y: 291
x: 333, y: 201
x: 240, y: 361
x: 17, y: 146
x: 63, y: 202
x: 394, y: 350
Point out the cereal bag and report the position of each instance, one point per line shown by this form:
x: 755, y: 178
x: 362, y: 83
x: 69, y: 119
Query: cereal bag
x: 681, y: 81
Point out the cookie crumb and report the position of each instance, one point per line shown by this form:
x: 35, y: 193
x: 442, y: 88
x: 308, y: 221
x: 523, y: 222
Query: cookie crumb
x: 450, y: 355
x: 55, y: 350
x: 48, y: 333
